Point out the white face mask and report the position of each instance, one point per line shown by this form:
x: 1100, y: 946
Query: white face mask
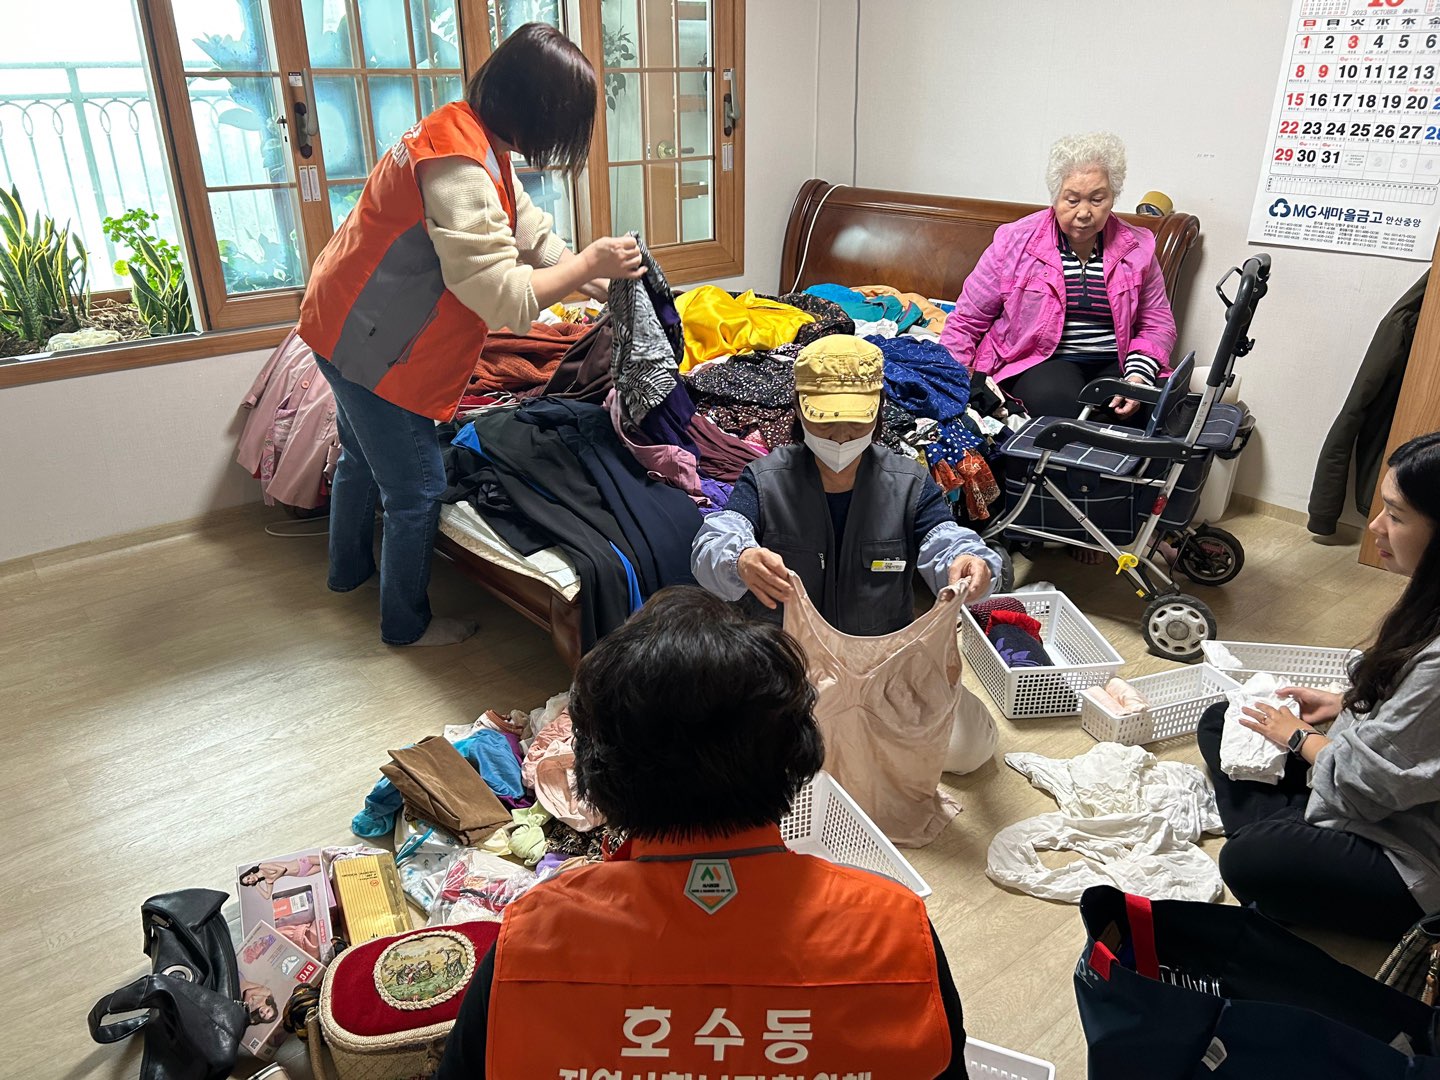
x: 835, y: 456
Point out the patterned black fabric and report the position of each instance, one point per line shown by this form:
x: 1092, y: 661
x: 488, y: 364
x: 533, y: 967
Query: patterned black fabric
x: 760, y: 378
x: 649, y: 342
x: 830, y: 317
x: 897, y: 424
x: 775, y: 426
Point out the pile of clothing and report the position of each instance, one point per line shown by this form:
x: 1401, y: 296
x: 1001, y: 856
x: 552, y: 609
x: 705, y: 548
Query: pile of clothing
x: 1017, y: 635
x: 485, y: 812
x: 610, y: 436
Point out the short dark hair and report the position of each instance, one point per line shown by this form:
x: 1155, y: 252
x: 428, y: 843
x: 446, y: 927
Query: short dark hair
x: 693, y: 718
x: 538, y: 93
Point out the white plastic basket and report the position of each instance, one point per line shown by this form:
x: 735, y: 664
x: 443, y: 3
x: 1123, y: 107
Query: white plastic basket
x: 825, y: 821
x: 1177, y: 699
x: 1082, y: 658
x: 986, y: 1062
x: 1302, y: 665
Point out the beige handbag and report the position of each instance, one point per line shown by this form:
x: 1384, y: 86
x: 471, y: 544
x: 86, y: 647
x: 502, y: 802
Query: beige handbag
x: 386, y: 1007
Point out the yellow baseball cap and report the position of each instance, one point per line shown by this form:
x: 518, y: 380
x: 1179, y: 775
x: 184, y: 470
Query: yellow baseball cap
x: 838, y: 379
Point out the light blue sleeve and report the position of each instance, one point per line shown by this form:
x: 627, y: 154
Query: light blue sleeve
x: 944, y: 544
x: 716, y: 550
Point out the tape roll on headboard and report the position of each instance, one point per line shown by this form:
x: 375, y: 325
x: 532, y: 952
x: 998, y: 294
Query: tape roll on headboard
x: 1155, y: 204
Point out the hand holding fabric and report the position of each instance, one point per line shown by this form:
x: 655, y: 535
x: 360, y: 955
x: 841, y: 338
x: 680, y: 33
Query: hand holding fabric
x: 614, y: 256
x: 1277, y: 725
x: 764, y: 574
x: 974, y: 568
x: 1316, y: 706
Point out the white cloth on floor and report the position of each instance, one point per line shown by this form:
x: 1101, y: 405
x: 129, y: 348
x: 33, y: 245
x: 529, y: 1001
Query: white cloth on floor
x: 1131, y: 818
x: 1246, y: 754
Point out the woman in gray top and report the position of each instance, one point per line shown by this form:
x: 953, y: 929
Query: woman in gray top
x: 1350, y: 837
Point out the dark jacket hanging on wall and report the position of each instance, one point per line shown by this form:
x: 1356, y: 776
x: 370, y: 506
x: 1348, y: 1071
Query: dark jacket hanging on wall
x: 1363, y: 426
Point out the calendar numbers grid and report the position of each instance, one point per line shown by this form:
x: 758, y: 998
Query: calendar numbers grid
x: 1353, y: 157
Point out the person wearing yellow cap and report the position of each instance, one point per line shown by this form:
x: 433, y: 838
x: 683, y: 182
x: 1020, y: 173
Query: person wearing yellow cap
x: 852, y: 519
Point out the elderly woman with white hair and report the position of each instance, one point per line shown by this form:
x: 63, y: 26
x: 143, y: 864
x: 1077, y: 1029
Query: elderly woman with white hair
x: 1068, y: 294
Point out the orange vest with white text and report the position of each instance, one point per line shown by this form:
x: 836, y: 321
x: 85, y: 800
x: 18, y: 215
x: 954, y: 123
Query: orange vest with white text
x: 716, y: 957
x: 377, y: 306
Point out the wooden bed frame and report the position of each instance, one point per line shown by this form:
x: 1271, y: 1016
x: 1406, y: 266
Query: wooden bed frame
x: 856, y: 236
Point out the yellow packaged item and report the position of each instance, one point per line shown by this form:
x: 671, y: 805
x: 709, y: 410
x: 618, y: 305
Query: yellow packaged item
x: 718, y: 324
x: 371, y: 900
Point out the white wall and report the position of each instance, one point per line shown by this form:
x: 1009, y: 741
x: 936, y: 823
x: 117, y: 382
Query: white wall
x: 91, y: 457
x: 104, y: 454
x: 964, y: 97
x: 779, y: 122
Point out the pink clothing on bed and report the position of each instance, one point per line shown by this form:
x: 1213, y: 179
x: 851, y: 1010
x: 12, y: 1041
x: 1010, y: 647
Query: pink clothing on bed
x: 673, y: 465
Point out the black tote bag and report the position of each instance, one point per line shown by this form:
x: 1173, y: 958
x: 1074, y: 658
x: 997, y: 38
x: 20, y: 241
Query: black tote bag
x: 1177, y: 989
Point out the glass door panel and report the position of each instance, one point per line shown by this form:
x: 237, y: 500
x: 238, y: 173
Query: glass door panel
x: 660, y: 116
x: 237, y: 108
x: 549, y: 189
x: 377, y: 66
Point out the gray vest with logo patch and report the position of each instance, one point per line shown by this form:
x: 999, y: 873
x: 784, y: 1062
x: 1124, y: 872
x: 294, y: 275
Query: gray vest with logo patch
x: 859, y: 588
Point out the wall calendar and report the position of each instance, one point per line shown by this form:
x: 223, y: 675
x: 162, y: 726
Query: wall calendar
x: 1352, y: 161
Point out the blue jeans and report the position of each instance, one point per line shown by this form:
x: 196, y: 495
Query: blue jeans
x: 393, y: 455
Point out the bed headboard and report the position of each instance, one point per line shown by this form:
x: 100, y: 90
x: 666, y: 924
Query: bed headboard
x: 921, y: 243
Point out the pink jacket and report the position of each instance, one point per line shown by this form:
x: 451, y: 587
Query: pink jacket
x: 290, y: 442
x: 1012, y: 308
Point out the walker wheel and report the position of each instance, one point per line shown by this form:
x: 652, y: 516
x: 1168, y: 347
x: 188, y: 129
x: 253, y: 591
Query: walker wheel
x: 1211, y: 556
x: 1175, y: 625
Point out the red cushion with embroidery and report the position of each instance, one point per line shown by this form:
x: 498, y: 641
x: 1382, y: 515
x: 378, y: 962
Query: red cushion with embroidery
x: 407, y: 981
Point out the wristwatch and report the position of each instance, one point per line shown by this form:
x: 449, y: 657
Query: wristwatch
x: 1297, y: 740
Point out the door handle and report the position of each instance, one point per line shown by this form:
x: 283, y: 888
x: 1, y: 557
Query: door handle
x: 730, y: 109
x: 302, y: 129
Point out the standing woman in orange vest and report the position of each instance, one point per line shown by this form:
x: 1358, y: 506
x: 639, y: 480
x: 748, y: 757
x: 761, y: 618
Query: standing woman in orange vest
x: 442, y: 246
x: 706, y: 948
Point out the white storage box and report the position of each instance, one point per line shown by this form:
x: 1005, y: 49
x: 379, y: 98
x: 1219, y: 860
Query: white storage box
x: 1302, y: 665
x: 1177, y: 699
x: 986, y: 1062
x: 826, y: 821
x: 1082, y: 658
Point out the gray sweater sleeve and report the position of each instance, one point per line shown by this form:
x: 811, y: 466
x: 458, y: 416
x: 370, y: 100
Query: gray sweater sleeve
x: 715, y: 554
x: 1388, y: 760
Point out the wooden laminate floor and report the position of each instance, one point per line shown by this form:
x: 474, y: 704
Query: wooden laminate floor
x: 175, y: 704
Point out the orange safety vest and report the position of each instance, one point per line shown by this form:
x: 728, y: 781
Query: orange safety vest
x: 723, y: 957
x: 377, y: 306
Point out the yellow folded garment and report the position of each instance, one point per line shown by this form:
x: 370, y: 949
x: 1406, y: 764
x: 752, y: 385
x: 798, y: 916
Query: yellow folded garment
x: 718, y: 324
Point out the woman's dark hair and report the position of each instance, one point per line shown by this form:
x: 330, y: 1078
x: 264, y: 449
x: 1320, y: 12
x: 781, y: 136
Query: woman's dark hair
x: 255, y: 870
x: 537, y: 92
x: 693, y: 718
x: 257, y: 1011
x: 1414, y: 621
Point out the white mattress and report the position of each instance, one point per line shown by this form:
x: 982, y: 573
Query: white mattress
x: 462, y: 523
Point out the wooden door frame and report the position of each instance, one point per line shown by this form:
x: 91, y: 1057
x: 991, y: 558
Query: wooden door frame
x: 724, y: 256
x: 1418, y: 410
